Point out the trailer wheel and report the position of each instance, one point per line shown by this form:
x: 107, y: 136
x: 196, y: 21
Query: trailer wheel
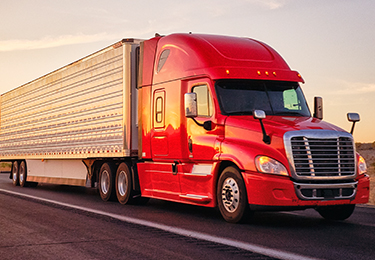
x: 22, y: 174
x: 339, y: 212
x: 15, y: 174
x: 106, y: 182
x: 231, y: 196
x: 123, y: 184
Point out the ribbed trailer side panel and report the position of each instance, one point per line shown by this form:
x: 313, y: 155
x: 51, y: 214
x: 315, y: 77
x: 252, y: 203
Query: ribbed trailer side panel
x: 78, y: 111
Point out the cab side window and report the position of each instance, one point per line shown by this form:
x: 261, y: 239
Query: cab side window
x: 204, y: 100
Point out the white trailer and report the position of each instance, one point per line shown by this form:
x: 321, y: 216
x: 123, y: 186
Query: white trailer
x: 60, y: 124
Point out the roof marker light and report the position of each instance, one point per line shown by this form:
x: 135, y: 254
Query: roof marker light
x: 258, y: 72
x: 274, y: 73
x: 227, y: 71
x: 267, y: 73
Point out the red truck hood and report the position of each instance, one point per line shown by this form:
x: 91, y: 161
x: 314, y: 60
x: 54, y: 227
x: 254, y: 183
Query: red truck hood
x: 244, y: 138
x: 278, y: 125
x: 243, y: 135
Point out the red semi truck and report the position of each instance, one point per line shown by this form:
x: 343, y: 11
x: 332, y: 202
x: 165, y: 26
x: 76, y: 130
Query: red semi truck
x: 208, y: 120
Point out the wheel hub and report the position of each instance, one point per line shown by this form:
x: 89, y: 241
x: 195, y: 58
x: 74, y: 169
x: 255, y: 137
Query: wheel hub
x: 230, y: 195
x: 122, y: 183
x: 104, y: 182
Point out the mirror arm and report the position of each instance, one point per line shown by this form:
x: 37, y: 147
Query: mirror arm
x: 352, y: 130
x: 260, y: 114
x: 207, y: 125
x: 195, y: 121
x: 266, y: 138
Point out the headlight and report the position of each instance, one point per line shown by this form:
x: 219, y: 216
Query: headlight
x: 266, y: 164
x: 362, y: 167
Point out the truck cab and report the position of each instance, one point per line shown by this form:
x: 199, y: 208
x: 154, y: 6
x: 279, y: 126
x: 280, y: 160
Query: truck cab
x: 223, y: 122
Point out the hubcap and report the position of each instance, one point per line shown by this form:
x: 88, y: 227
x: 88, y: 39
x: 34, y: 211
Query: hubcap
x: 22, y: 173
x: 122, y: 183
x: 15, y: 170
x: 21, y: 177
x: 104, y: 182
x: 230, y: 195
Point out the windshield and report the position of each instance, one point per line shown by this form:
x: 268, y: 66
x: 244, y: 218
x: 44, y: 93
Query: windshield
x: 241, y: 97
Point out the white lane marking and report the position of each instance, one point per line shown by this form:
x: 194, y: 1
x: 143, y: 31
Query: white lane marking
x: 184, y: 232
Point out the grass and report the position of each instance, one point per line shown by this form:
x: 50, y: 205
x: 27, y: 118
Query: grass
x: 5, y: 167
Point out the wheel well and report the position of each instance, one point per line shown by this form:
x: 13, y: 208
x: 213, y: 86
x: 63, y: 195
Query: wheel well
x: 222, y: 166
x: 99, y: 163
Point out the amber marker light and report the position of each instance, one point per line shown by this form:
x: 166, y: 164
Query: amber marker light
x: 274, y: 73
x: 227, y: 71
x: 258, y: 72
x: 267, y: 73
x: 362, y: 168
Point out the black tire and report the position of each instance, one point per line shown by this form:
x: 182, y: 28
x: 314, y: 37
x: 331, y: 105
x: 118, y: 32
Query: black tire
x: 123, y: 184
x: 124, y: 187
x: 339, y: 212
x: 107, y: 182
x: 15, y: 174
x: 22, y: 174
x: 231, y: 196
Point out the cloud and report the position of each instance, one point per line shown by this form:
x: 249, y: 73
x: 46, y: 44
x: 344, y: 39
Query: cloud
x: 270, y: 4
x: 50, y: 42
x: 354, y: 88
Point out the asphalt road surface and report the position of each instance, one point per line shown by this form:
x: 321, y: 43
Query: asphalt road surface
x: 64, y: 222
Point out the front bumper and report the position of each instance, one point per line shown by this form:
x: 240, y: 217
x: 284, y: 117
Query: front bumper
x: 277, y: 191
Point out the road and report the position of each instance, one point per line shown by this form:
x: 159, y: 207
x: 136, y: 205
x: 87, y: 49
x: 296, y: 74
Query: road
x: 62, y: 222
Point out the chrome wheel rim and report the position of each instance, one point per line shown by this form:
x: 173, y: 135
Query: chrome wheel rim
x: 22, y: 174
x: 104, y: 182
x: 21, y: 177
x: 122, y: 183
x: 230, y: 195
x: 15, y: 171
x: 14, y: 176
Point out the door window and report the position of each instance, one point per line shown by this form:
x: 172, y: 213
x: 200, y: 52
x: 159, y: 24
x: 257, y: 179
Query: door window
x: 204, y: 100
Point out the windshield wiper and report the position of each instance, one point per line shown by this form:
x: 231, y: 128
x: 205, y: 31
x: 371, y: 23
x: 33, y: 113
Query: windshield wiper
x: 239, y: 113
x: 287, y: 113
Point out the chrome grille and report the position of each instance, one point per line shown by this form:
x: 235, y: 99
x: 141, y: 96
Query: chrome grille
x: 317, y: 157
x: 326, y: 155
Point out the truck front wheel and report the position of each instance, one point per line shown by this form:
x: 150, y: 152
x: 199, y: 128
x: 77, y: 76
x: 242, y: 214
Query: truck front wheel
x: 337, y: 212
x: 106, y: 182
x: 231, y: 196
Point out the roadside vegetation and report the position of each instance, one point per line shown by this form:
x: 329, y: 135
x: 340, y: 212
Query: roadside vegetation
x: 5, y: 167
x: 367, y: 150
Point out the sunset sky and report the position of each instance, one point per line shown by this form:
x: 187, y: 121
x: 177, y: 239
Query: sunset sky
x: 330, y: 42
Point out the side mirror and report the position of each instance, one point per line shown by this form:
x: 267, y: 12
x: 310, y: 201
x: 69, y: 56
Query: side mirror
x: 318, y: 108
x: 353, y: 117
x: 191, y: 108
x: 259, y: 114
